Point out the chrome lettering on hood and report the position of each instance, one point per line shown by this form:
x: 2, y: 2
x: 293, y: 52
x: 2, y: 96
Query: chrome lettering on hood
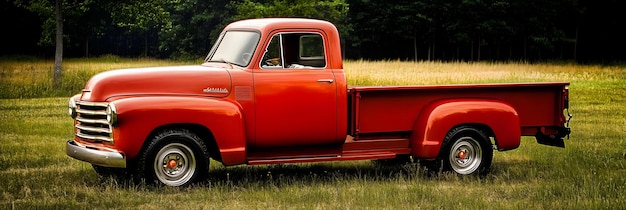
x: 214, y: 90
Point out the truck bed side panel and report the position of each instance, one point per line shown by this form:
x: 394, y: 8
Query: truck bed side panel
x: 394, y: 109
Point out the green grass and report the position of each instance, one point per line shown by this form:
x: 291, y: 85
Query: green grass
x: 589, y: 173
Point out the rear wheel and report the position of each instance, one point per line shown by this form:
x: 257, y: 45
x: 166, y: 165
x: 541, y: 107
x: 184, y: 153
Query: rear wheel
x: 175, y: 158
x: 465, y: 151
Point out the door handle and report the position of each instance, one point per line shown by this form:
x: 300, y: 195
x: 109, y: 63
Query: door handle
x: 325, y: 80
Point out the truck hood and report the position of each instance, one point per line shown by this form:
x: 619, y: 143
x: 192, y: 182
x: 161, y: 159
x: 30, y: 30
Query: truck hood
x: 174, y: 80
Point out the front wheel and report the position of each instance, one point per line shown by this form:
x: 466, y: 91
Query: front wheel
x: 465, y: 151
x: 175, y: 158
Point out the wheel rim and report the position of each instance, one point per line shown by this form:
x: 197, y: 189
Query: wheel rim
x: 174, y: 164
x: 465, y: 155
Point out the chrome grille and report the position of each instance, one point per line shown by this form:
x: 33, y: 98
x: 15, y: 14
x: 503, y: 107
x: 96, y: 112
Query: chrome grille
x: 92, y: 121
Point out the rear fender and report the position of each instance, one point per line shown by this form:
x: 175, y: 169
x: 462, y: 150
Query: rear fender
x: 438, y: 118
x: 138, y: 117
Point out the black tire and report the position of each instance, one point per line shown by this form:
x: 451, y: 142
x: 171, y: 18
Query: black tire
x: 465, y: 151
x: 176, y: 158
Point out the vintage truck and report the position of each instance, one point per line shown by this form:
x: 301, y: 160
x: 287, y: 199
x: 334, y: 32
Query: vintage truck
x: 274, y: 91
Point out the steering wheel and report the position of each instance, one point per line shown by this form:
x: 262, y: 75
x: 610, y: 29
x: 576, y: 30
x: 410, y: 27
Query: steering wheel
x: 246, y: 57
x: 273, y: 62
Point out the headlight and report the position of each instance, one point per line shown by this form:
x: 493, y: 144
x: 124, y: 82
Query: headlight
x: 72, y: 108
x: 111, y: 114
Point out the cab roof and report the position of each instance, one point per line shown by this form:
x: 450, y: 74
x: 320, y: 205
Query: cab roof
x: 268, y: 24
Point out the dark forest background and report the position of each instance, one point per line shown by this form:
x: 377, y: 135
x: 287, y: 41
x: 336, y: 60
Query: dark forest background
x: 584, y: 31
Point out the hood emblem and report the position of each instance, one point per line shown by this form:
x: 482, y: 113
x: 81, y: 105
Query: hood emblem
x: 214, y: 90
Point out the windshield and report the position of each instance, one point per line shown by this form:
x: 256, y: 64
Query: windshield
x: 234, y: 47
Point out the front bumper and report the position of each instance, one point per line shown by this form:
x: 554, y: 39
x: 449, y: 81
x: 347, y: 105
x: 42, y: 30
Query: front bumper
x: 102, y: 157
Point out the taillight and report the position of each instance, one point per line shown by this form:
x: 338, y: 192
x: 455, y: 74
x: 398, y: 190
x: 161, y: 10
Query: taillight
x: 568, y: 116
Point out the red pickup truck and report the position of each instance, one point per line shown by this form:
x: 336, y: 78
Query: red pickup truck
x: 274, y: 91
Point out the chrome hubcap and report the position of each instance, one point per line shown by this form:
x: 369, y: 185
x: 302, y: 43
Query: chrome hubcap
x: 174, y: 164
x: 465, y: 155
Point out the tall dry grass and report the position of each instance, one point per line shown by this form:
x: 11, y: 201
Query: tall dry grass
x: 390, y: 73
x: 32, y: 77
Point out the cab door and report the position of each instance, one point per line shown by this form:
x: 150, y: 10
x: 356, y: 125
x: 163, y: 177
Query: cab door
x: 295, y: 94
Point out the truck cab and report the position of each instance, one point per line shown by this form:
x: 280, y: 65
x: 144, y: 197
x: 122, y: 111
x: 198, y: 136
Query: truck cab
x: 297, y: 85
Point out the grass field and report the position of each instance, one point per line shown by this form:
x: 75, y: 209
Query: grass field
x: 590, y: 173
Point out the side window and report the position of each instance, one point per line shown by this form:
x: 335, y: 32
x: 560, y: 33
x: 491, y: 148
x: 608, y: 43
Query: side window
x: 294, y: 51
x: 273, y: 53
x: 312, y: 51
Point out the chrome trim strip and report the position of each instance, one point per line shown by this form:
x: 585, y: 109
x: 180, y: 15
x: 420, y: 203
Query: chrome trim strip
x: 82, y: 111
x: 87, y: 103
x: 94, y: 129
x: 85, y: 120
x: 109, y: 158
x: 325, y: 80
x: 91, y: 137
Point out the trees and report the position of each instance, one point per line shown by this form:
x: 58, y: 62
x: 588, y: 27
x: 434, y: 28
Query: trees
x: 468, y: 30
x: 331, y: 10
x: 140, y: 17
x: 195, y: 25
x: 134, y: 15
x: 383, y: 23
x: 52, y: 12
x: 461, y: 30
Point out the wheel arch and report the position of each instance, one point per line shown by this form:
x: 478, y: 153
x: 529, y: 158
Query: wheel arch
x: 482, y: 127
x: 496, y: 118
x: 219, y: 122
x: 204, y: 133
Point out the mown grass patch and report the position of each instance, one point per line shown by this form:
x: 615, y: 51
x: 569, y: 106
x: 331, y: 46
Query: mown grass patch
x: 589, y: 173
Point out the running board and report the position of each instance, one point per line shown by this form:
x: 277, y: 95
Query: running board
x: 363, y: 155
x: 371, y: 149
x: 374, y: 144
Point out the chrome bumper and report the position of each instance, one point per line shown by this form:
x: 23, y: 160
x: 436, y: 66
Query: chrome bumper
x: 111, y: 158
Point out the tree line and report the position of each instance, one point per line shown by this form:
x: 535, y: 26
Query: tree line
x: 584, y: 31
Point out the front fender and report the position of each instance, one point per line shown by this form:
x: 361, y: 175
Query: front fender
x: 138, y: 117
x: 438, y: 118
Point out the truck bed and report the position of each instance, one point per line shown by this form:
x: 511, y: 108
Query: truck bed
x: 389, y: 111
